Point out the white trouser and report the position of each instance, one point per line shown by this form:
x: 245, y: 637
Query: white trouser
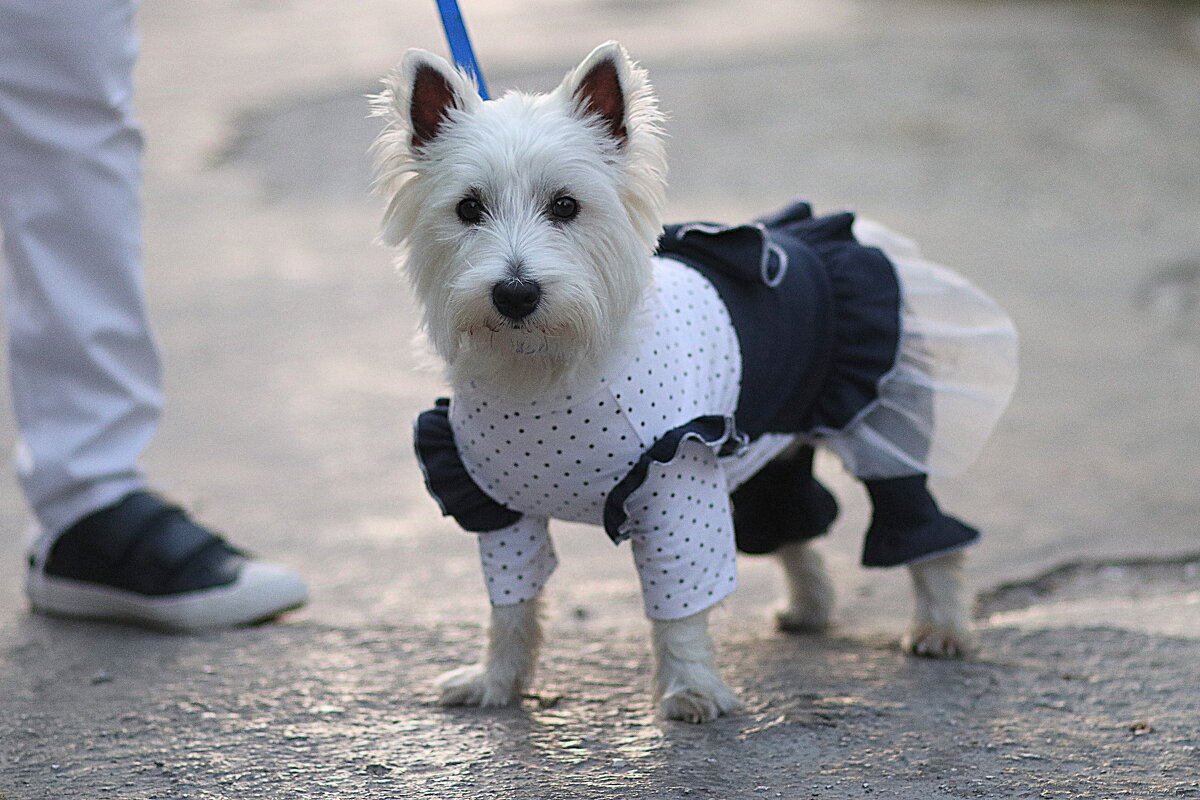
x: 85, y: 371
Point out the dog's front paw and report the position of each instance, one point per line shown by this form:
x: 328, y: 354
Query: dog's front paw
x: 473, y: 686
x: 698, y: 705
x: 939, y: 641
x: 687, y: 685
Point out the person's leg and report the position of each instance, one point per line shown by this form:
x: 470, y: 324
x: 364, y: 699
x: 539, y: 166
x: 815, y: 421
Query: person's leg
x: 85, y: 372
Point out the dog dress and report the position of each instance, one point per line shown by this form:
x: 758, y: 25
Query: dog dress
x: 757, y: 343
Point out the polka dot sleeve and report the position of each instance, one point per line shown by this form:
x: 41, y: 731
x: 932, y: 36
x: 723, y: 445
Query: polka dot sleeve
x: 682, y: 534
x: 517, y: 560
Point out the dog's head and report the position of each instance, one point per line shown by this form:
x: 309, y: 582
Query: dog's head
x: 528, y: 219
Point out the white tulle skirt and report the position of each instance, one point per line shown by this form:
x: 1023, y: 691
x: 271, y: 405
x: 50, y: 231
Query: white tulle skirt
x: 955, y: 373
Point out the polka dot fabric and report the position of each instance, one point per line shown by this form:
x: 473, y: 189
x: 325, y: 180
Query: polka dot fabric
x: 684, y: 548
x: 517, y: 560
x: 560, y: 457
x: 556, y: 461
x: 690, y: 366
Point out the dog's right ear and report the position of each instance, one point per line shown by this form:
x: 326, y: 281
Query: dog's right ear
x: 425, y: 91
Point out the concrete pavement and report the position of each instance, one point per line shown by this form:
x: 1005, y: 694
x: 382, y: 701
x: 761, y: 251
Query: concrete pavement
x: 1048, y: 150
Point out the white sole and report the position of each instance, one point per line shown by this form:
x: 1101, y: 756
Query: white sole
x: 261, y: 592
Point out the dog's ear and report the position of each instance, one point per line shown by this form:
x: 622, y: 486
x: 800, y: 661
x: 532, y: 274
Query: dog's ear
x: 421, y: 98
x: 426, y: 90
x: 609, y: 90
x: 599, y: 87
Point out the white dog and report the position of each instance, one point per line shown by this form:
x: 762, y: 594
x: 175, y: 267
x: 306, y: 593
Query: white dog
x: 674, y: 398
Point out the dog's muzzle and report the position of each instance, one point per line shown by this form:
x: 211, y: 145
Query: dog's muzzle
x: 515, y: 298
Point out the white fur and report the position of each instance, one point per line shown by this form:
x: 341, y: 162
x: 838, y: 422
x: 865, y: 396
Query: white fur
x: 941, y: 623
x: 809, y: 590
x: 514, y: 637
x: 515, y: 155
x: 687, y: 685
x: 941, y: 626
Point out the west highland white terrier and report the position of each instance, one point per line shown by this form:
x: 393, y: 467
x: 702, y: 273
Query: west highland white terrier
x: 669, y: 385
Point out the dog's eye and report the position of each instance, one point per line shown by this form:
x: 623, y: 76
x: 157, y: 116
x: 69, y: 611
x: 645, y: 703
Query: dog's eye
x: 564, y: 208
x: 469, y: 210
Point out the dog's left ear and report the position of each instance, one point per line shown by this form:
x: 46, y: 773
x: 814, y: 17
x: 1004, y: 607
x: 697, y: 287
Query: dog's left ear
x: 599, y: 86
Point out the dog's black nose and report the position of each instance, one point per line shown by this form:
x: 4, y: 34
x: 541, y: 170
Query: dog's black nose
x: 515, y: 298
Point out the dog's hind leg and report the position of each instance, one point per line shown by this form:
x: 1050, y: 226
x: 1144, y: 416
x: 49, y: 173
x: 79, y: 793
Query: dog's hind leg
x: 514, y: 637
x: 810, y: 595
x: 780, y: 510
x: 907, y: 527
x: 687, y: 685
x: 941, y: 623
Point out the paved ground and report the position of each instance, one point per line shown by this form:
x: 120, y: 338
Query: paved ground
x: 1048, y: 150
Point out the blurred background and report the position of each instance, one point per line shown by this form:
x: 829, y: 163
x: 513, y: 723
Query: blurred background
x: 1049, y: 151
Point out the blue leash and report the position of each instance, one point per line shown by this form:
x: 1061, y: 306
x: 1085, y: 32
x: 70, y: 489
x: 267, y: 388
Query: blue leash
x: 460, y: 42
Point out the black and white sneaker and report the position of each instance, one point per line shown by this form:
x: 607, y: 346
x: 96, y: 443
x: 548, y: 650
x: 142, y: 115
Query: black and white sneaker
x: 147, y: 562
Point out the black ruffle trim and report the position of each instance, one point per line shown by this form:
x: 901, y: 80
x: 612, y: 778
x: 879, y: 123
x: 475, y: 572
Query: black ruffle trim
x: 907, y: 526
x: 713, y: 430
x: 447, y: 478
x: 866, y: 320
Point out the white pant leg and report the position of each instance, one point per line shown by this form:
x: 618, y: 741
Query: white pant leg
x: 85, y: 370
